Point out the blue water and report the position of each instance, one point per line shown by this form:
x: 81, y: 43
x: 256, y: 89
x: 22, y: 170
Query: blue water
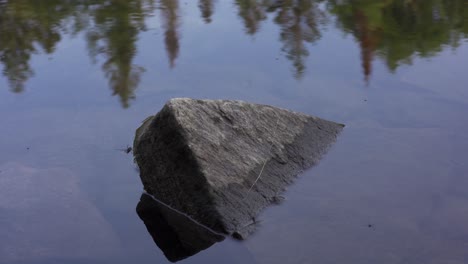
x: 391, y: 190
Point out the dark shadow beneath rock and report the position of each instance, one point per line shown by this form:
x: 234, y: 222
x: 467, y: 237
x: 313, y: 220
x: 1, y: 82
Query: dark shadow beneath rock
x: 222, y: 162
x: 175, y: 234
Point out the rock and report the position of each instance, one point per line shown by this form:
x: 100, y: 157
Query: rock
x: 177, y: 235
x: 203, y: 157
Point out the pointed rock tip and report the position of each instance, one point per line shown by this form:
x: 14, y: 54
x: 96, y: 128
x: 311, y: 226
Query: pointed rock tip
x: 222, y: 161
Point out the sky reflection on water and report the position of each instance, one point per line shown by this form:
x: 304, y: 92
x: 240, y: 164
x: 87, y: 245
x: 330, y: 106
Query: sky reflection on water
x: 394, y: 31
x: 393, y: 71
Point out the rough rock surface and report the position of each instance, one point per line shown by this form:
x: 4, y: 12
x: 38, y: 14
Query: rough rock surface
x: 203, y: 156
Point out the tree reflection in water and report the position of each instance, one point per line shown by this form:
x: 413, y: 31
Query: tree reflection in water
x: 170, y: 15
x: 111, y: 29
x: 391, y: 30
x: 207, y: 9
x: 116, y: 25
x: 398, y: 31
x: 26, y: 27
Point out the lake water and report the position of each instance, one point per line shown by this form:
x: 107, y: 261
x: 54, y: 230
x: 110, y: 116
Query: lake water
x: 78, y: 77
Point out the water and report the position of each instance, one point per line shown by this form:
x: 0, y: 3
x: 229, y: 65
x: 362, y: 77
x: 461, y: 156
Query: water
x: 78, y: 77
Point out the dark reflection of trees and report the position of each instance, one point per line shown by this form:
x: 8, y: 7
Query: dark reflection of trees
x: 207, y: 9
x: 170, y: 15
x: 111, y: 27
x: 26, y: 25
x: 252, y: 12
x: 114, y: 35
x: 393, y: 30
x: 300, y: 22
x: 397, y: 30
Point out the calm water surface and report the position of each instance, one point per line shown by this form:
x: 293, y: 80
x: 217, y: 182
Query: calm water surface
x: 78, y: 77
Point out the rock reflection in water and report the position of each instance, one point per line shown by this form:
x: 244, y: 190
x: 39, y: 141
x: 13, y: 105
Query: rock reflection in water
x: 175, y: 234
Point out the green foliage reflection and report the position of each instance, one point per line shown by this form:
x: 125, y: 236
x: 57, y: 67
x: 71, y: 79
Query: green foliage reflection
x: 111, y: 29
x: 26, y: 27
x: 395, y: 31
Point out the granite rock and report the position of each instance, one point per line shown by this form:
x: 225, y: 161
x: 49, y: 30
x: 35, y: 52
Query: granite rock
x: 204, y: 157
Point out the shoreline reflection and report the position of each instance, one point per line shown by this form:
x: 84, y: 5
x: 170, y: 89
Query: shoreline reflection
x: 395, y: 32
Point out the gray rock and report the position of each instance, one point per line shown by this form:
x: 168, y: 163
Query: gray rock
x: 204, y: 157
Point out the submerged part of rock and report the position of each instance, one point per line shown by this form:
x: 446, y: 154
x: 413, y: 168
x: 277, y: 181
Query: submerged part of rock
x: 204, y: 157
x: 177, y: 235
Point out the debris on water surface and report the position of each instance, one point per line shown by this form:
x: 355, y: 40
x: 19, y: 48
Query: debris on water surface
x: 127, y: 150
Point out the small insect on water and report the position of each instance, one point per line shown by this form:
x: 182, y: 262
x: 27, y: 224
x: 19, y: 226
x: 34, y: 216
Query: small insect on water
x: 127, y: 150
